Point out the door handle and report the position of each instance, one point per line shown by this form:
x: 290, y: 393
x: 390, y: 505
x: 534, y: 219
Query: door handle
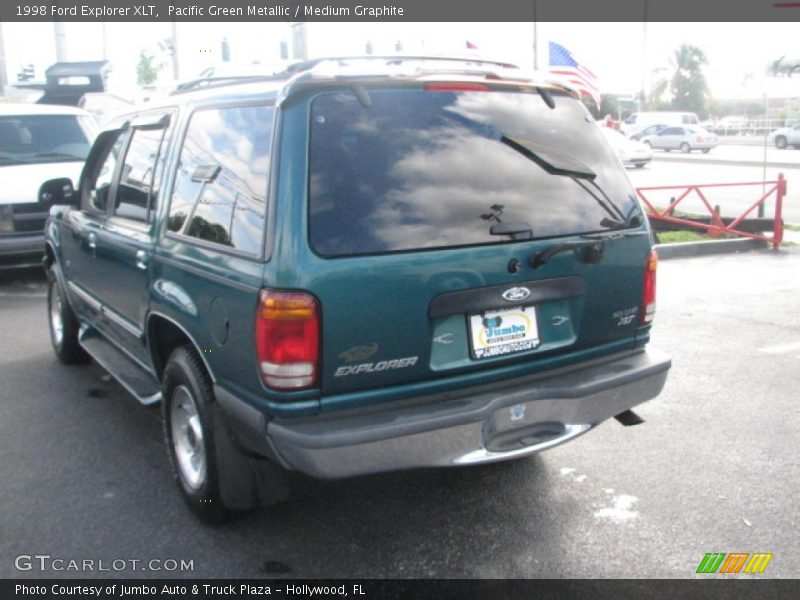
x: 141, y: 259
x: 91, y: 240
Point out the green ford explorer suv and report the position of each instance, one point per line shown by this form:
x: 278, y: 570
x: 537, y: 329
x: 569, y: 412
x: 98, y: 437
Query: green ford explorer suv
x: 357, y: 266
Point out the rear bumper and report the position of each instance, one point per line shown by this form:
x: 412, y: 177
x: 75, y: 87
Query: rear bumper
x: 21, y: 250
x: 486, y: 425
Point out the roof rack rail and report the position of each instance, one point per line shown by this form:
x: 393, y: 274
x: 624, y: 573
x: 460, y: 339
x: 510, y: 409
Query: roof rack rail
x: 395, y: 59
x: 309, y: 64
x: 211, y: 82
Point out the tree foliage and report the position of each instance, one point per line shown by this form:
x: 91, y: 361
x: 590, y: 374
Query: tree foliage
x: 147, y: 69
x: 688, y: 84
x: 784, y: 67
x: 683, y: 83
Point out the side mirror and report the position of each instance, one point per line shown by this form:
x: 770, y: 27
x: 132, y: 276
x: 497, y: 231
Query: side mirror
x: 59, y: 191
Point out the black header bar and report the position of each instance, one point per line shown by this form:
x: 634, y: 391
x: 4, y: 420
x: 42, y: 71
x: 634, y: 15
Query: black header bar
x: 398, y: 10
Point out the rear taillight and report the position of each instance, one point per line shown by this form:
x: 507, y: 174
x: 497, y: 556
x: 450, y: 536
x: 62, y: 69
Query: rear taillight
x: 287, y: 339
x: 648, y: 310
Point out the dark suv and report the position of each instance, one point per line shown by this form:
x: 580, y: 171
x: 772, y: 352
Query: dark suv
x: 358, y: 266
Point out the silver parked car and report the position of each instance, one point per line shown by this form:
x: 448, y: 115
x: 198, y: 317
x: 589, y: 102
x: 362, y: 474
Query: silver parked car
x: 787, y: 136
x: 684, y: 139
x: 651, y: 130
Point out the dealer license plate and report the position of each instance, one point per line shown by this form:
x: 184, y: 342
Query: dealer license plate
x: 503, y: 332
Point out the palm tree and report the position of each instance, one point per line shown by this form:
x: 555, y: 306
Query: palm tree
x: 688, y: 84
x: 783, y: 67
x: 683, y: 79
x: 655, y: 97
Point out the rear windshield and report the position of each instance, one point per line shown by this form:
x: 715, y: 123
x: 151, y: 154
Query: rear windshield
x: 26, y: 139
x: 398, y: 170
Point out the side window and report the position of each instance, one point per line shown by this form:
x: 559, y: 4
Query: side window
x: 671, y: 131
x: 99, y: 188
x: 689, y: 120
x: 221, y: 181
x: 136, y: 178
x: 141, y: 173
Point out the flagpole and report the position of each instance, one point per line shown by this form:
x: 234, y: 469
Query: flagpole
x: 643, y: 98
x: 535, y: 53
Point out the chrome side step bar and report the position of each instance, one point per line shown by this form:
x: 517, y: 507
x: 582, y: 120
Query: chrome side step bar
x: 141, y: 384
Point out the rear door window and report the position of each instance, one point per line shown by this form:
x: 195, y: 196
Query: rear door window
x: 417, y: 169
x: 220, y: 188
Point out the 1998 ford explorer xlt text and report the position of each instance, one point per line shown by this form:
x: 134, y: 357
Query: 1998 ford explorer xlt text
x: 358, y: 266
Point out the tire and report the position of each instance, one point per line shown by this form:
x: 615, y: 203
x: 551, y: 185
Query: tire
x: 706, y: 150
x: 780, y: 142
x: 63, y: 324
x: 639, y: 165
x: 189, y: 435
x: 796, y: 146
x: 685, y: 148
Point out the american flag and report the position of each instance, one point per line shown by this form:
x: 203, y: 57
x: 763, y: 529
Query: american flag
x: 563, y: 64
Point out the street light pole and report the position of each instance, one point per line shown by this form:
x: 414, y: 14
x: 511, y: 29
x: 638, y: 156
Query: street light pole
x: 535, y: 39
x: 764, y: 167
x: 3, y: 71
x: 643, y: 97
x: 58, y: 32
x: 174, y: 42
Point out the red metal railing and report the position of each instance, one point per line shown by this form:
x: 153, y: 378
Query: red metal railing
x: 717, y: 226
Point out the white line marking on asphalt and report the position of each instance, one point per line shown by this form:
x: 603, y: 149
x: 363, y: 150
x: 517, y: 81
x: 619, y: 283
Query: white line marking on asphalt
x: 7, y: 295
x: 781, y: 348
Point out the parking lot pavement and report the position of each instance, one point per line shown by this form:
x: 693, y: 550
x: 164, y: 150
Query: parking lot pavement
x: 742, y: 154
x: 713, y: 469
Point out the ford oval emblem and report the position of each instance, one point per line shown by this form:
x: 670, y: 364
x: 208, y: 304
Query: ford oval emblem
x: 516, y: 294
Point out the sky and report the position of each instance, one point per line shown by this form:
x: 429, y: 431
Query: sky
x: 615, y: 52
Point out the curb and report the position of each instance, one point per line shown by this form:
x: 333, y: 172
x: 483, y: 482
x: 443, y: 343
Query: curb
x: 690, y: 249
x: 722, y: 161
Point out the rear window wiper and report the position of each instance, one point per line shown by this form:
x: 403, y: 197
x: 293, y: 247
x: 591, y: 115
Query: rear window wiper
x: 552, y: 162
x: 564, y: 165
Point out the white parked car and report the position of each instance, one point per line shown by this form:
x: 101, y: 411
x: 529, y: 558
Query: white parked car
x: 684, y: 139
x: 630, y: 152
x: 37, y: 143
x: 787, y: 136
x: 640, y: 120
